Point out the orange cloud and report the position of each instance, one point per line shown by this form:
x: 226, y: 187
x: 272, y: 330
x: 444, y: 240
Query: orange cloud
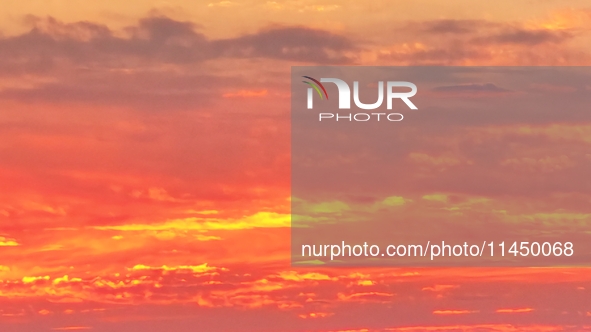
x: 316, y: 315
x: 514, y: 311
x: 72, y: 328
x: 439, y: 288
x: 246, y: 94
x: 454, y: 312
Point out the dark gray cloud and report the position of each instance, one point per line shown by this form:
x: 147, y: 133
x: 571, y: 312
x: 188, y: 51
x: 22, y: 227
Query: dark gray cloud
x: 289, y: 43
x: 483, y: 31
x: 88, y: 62
x: 445, y: 55
x: 162, y: 39
x: 526, y: 37
x: 451, y: 26
x: 447, y: 42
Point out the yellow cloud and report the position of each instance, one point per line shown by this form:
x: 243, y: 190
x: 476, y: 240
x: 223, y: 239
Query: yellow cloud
x: 206, y: 212
x: 329, y: 207
x: 260, y: 219
x: 65, y: 279
x: 222, y: 4
x: 207, y: 238
x: 422, y: 158
x: 294, y: 276
x: 203, y: 268
x: 365, y: 283
x: 6, y: 242
x: 29, y: 280
x: 436, y: 197
x: 394, y: 201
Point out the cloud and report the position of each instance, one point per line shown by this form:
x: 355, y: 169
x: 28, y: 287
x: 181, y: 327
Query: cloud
x: 453, y: 312
x: 544, y: 165
x: 257, y: 220
x: 289, y: 43
x: 202, y: 268
x: 491, y: 32
x: 394, y: 201
x: 472, y: 87
x: 294, y: 276
x: 515, y: 311
x: 246, y: 94
x: 28, y: 280
x: 450, y: 26
x: 316, y: 315
x: 8, y: 242
x: 476, y: 42
x: 366, y: 297
x: 157, y: 63
x: 439, y: 288
x: 526, y: 37
x: 162, y: 40
x: 222, y: 4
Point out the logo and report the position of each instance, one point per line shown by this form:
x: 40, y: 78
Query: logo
x: 315, y: 86
x: 344, y: 100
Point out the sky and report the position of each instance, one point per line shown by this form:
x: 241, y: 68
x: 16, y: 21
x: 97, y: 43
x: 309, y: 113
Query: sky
x: 145, y: 165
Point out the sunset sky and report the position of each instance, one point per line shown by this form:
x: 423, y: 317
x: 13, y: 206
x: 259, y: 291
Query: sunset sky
x: 145, y: 165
